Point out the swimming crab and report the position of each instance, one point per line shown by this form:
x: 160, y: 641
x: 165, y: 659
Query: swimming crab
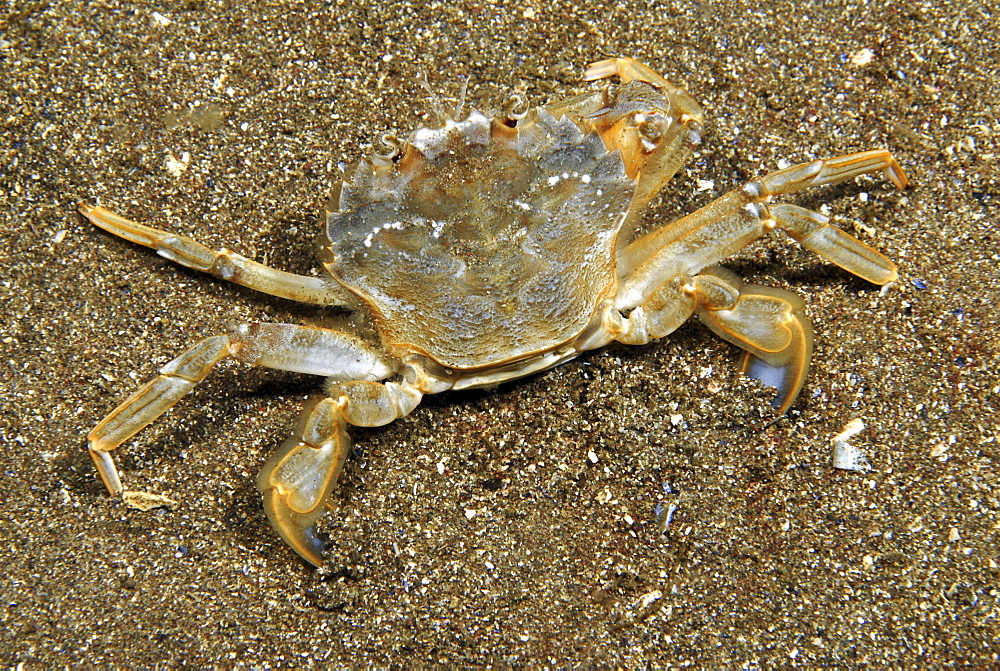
x: 490, y: 247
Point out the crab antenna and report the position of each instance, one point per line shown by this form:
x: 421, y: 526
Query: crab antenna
x: 437, y: 109
x: 459, y: 108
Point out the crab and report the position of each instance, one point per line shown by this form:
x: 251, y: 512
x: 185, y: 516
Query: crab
x: 488, y: 247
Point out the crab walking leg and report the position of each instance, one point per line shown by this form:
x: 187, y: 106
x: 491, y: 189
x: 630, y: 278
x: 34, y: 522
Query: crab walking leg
x: 658, y: 167
x: 629, y: 69
x: 223, y: 264
x: 296, y: 481
x: 658, y: 151
x: 769, y: 324
x: 726, y: 225
x: 282, y: 346
x: 154, y: 398
x: 813, y: 231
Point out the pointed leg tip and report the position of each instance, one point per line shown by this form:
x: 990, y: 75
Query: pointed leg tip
x: 601, y: 69
x: 107, y: 470
x: 897, y: 175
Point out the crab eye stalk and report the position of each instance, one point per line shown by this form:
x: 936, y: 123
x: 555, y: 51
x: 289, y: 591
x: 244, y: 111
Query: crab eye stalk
x: 514, y: 109
x: 395, y: 150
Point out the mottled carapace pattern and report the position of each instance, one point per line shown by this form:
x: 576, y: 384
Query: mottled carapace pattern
x: 484, y: 243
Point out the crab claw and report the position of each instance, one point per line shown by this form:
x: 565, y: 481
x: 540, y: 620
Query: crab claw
x: 627, y: 69
x: 295, y: 528
x: 769, y: 324
x: 298, y: 478
x: 786, y: 371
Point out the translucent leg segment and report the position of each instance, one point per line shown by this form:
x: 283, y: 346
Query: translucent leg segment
x: 731, y: 222
x: 153, y: 399
x: 223, y: 264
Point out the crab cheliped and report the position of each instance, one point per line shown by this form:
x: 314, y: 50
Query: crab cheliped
x: 490, y: 247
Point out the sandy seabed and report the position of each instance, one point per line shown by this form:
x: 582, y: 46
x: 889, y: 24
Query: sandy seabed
x: 230, y: 122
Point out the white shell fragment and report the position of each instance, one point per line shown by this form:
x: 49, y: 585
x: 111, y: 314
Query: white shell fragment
x: 847, y: 457
x: 159, y: 20
x: 146, y: 501
x: 862, y: 57
x: 939, y: 449
x: 664, y: 516
x: 648, y: 598
x: 177, y: 166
